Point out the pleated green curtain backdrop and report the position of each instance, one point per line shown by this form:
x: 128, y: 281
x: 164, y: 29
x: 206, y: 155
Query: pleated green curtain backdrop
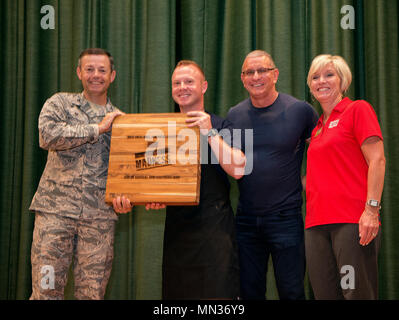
x: 147, y: 38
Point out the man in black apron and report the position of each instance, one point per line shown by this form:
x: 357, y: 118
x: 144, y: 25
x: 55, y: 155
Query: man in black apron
x: 200, y: 258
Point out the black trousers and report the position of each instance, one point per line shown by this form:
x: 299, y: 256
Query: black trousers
x: 338, y: 266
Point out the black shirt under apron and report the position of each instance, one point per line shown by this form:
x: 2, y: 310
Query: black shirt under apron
x: 200, y: 254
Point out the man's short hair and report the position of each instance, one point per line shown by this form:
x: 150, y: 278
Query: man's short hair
x: 182, y: 63
x: 260, y: 53
x: 97, y: 51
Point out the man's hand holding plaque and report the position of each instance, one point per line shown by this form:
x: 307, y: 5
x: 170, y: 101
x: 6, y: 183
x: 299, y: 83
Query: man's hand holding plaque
x: 123, y: 205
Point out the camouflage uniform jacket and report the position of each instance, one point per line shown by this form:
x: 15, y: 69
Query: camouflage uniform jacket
x: 74, y: 179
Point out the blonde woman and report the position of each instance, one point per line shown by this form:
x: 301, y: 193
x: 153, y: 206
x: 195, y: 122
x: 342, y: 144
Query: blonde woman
x: 345, y: 178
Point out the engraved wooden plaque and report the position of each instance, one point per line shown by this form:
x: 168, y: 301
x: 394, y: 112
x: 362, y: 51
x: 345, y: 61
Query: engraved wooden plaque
x: 154, y: 157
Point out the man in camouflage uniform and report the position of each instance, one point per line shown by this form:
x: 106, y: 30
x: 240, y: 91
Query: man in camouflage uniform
x: 72, y: 220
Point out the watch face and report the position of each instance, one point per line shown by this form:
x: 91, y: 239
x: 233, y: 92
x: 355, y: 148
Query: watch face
x: 373, y: 203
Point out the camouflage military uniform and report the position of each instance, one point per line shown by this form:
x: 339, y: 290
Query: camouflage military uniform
x: 72, y: 217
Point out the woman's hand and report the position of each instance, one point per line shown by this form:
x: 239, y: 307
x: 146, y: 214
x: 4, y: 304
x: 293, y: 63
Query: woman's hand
x: 368, y: 226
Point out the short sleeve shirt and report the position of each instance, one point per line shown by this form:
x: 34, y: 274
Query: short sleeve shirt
x: 273, y: 140
x: 336, y: 183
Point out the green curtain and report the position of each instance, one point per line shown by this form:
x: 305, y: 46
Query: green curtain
x: 147, y: 38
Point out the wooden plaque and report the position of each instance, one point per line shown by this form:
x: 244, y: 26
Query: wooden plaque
x: 154, y: 157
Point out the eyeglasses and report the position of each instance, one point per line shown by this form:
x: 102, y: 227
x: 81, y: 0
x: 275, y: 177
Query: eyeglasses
x: 260, y: 71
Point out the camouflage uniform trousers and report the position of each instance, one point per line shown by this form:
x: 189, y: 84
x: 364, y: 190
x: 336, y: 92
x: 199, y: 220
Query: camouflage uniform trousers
x: 56, y: 240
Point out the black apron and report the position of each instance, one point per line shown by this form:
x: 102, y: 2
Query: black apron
x: 200, y: 258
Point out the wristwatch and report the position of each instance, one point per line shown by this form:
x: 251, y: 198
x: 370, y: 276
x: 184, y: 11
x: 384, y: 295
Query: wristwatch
x: 212, y: 132
x: 373, y: 203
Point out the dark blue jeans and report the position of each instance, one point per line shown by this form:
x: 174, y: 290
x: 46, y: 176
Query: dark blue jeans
x: 281, y: 236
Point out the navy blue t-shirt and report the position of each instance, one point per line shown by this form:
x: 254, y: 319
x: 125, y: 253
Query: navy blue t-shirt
x: 279, y: 134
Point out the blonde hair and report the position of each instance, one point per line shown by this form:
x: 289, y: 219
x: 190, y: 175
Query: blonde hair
x: 183, y: 63
x: 340, y: 66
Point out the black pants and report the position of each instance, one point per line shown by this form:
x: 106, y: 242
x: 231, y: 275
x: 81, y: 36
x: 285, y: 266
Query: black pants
x: 338, y: 266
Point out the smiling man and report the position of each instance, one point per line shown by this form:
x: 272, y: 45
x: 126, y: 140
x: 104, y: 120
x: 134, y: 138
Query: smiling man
x: 200, y: 259
x: 269, y: 219
x: 200, y: 253
x: 188, y: 88
x: 72, y: 219
x: 96, y: 73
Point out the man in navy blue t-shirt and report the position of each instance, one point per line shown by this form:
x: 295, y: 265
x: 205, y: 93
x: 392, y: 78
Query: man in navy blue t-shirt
x: 269, y: 218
